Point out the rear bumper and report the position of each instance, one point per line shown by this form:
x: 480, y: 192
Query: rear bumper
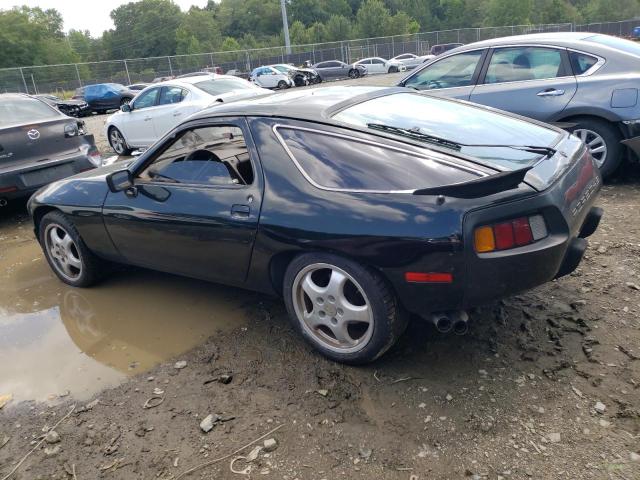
x: 22, y: 181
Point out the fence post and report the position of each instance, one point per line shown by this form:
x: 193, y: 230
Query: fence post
x: 170, y: 67
x: 24, y: 82
x: 126, y: 69
x: 78, y: 75
x: 35, y: 89
x: 248, y: 61
x: 393, y: 49
x: 211, y: 59
x: 342, y: 52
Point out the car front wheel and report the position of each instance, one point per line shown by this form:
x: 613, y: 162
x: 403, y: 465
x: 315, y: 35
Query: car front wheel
x: 282, y: 85
x: 66, y: 252
x: 344, y: 310
x: 354, y: 73
x: 117, y: 142
x: 603, y: 141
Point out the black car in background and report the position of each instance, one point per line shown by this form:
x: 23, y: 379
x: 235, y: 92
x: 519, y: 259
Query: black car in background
x: 138, y: 86
x: 38, y: 145
x: 350, y: 202
x: 443, y: 47
x: 73, y: 108
x: 103, y: 97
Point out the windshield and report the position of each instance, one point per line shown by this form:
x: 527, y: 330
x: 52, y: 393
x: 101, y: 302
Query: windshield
x: 283, y: 68
x: 455, y: 122
x: 117, y: 86
x: 626, y: 46
x: 224, y: 85
x: 14, y: 111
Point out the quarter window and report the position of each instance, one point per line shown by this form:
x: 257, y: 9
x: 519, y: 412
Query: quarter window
x: 336, y: 162
x: 581, y: 62
x: 215, y: 155
x: 147, y: 99
x: 454, y: 71
x: 524, y: 63
x: 169, y: 95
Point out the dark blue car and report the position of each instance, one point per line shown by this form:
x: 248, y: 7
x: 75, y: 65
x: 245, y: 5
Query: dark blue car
x: 105, y: 96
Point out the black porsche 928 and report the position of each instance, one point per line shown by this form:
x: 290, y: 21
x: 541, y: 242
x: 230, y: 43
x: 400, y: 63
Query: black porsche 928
x: 360, y: 206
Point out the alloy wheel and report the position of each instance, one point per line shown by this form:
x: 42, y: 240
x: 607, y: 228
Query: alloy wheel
x: 332, y: 308
x: 63, y: 252
x: 595, y: 143
x: 117, y: 141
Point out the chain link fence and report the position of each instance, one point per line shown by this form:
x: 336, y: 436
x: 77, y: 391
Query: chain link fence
x: 62, y: 79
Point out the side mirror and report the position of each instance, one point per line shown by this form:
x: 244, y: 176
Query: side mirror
x: 125, y: 108
x: 120, y: 181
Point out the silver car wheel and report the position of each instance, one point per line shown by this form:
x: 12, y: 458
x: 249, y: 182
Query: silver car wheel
x: 595, y: 143
x: 332, y: 308
x: 117, y: 141
x: 63, y: 252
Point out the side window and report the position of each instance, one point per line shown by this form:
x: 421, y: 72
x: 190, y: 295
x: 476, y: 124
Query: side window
x: 215, y: 155
x: 341, y: 163
x: 377, y: 61
x: 581, y: 62
x: 331, y: 64
x: 147, y: 99
x: 523, y: 63
x: 322, y: 65
x: 454, y: 71
x: 169, y: 95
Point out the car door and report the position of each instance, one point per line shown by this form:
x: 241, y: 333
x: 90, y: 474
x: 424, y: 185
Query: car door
x: 195, y: 204
x: 533, y: 81
x: 173, y: 106
x: 137, y: 124
x: 366, y: 64
x: 378, y: 65
x: 453, y: 76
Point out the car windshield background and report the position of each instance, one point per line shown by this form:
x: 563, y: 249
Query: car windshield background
x: 15, y: 111
x: 515, y: 64
x: 454, y: 71
x: 348, y: 164
x: 215, y: 155
x: 622, y: 44
x: 224, y: 85
x: 455, y: 122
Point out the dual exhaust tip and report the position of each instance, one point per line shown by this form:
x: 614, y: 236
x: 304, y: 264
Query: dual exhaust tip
x: 456, y: 321
x: 3, y: 202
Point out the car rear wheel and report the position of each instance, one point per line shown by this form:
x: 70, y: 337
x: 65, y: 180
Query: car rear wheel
x: 603, y: 141
x: 66, y: 252
x: 393, y: 70
x: 117, y: 142
x: 344, y: 310
x: 354, y: 73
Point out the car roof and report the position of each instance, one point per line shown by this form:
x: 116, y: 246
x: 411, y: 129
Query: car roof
x: 551, y: 38
x: 304, y: 104
x: 187, y: 81
x: 370, y: 58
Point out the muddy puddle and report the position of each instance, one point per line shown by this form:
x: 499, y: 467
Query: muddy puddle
x: 56, y: 339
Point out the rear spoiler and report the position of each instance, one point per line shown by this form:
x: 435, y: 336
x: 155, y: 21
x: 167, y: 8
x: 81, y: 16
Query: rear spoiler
x: 480, y: 187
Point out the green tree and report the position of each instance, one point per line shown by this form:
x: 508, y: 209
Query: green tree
x: 508, y: 12
x: 198, y: 32
x: 338, y: 28
x: 372, y: 19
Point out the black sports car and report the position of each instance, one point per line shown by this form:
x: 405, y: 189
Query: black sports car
x: 39, y: 144
x: 73, y: 108
x: 356, y: 204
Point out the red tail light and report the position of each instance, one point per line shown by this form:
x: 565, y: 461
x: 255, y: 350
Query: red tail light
x: 513, y: 233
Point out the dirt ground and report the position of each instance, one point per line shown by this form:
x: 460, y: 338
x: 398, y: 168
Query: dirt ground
x: 545, y: 385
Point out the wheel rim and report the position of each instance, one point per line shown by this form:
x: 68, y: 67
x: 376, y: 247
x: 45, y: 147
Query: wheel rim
x: 332, y: 308
x: 117, y: 141
x: 352, y: 74
x: 63, y: 252
x: 595, y: 143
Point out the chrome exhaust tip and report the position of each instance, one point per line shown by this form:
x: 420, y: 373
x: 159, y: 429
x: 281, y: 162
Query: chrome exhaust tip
x: 460, y: 322
x: 442, y: 322
x: 3, y: 202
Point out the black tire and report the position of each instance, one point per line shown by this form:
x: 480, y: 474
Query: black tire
x: 92, y: 269
x: 121, y: 148
x: 318, y: 79
x: 282, y: 85
x: 388, y: 320
x: 393, y: 70
x: 611, y: 136
x: 354, y: 73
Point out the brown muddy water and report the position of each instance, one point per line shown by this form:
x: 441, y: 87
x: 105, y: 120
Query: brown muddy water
x: 57, y: 340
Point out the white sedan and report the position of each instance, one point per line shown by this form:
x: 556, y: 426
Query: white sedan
x: 269, y: 77
x: 161, y: 106
x: 410, y: 60
x: 380, y: 65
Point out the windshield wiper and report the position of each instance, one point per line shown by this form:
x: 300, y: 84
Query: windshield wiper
x: 415, y: 134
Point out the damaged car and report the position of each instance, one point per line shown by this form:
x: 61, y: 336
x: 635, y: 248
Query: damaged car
x: 300, y: 76
x: 38, y: 145
x: 351, y: 203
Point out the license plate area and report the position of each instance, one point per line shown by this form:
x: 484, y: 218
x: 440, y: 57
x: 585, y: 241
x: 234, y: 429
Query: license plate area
x: 47, y: 175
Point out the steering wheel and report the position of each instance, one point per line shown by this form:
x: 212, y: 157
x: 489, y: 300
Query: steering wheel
x: 201, y: 156
x: 434, y: 84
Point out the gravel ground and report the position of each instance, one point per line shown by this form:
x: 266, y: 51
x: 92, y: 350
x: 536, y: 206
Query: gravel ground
x: 545, y: 385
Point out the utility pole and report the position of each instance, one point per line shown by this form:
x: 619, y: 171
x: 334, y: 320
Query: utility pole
x: 285, y: 27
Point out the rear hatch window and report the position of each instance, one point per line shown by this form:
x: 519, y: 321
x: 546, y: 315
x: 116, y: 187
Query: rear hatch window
x: 21, y: 110
x: 456, y: 122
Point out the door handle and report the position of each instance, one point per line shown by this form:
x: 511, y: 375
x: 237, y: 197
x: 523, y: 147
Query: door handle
x: 146, y: 119
x: 550, y: 92
x: 177, y: 114
x: 240, y: 211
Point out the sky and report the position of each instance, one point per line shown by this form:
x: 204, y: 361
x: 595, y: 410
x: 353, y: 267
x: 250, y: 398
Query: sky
x: 92, y: 15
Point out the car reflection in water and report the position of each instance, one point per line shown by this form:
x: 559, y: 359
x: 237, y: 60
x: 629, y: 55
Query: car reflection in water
x: 54, y: 338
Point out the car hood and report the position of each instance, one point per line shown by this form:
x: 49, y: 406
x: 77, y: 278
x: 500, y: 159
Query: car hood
x: 241, y: 94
